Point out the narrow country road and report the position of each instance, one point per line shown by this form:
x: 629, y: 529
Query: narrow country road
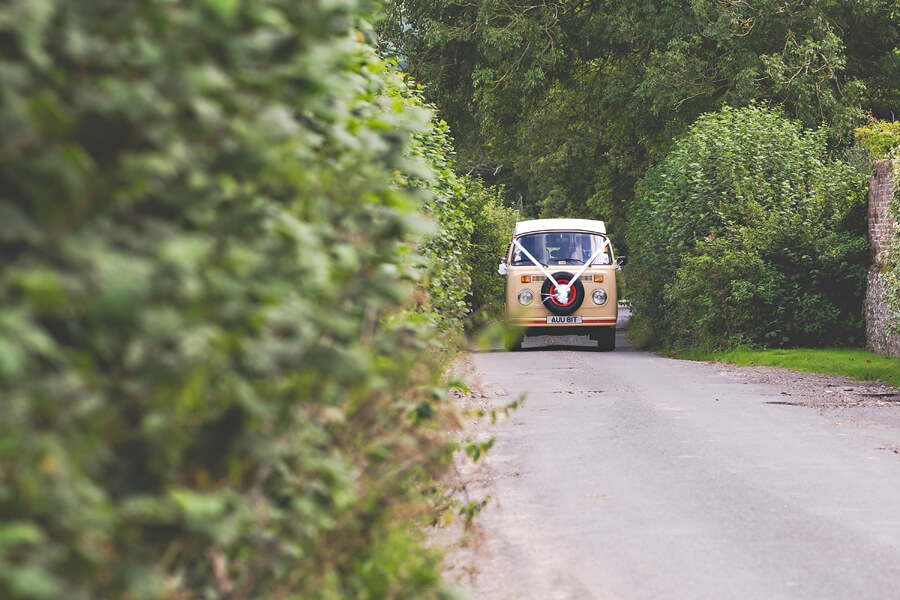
x: 630, y: 476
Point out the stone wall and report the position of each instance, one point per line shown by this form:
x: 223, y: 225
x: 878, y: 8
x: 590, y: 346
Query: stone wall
x: 881, y: 225
x: 880, y: 318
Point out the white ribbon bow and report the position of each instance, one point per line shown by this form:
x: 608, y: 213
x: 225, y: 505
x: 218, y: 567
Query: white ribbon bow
x: 562, y: 291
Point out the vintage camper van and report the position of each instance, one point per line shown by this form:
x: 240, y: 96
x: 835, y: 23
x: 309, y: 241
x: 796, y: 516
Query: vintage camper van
x: 561, y: 280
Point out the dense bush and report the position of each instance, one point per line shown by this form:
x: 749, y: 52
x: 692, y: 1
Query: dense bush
x: 748, y: 233
x: 446, y: 248
x: 212, y: 384
x: 881, y: 138
x: 492, y: 232
x: 473, y: 230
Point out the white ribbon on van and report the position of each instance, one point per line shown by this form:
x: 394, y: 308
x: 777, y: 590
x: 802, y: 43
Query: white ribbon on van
x: 562, y: 291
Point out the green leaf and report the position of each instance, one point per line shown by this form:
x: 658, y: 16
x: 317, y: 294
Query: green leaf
x: 32, y: 582
x: 41, y: 286
x: 198, y: 507
x: 225, y: 9
x: 15, y: 533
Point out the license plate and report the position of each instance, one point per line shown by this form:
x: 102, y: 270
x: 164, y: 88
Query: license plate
x: 558, y: 320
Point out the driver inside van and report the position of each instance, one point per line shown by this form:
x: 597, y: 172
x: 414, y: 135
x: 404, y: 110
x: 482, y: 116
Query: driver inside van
x: 566, y: 250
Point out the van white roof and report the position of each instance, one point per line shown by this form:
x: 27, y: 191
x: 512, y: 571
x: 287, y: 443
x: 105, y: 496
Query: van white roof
x: 536, y: 225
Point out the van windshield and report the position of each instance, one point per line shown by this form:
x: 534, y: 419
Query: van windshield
x: 562, y: 248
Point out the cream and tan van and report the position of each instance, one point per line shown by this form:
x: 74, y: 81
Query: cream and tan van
x: 561, y: 280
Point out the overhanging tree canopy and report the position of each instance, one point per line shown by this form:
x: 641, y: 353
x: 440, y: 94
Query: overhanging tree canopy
x: 579, y: 97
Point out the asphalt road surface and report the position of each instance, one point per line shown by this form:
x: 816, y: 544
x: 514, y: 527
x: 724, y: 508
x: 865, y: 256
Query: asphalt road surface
x: 628, y: 475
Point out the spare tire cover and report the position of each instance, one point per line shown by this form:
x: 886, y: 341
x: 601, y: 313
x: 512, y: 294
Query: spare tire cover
x: 553, y: 304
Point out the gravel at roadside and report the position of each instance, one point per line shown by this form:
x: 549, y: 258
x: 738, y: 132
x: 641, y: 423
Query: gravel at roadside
x: 847, y: 402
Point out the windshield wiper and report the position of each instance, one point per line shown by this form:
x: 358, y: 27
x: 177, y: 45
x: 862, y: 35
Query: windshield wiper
x: 524, y: 261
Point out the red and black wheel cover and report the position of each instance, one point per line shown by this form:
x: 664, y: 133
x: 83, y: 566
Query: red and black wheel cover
x: 548, y: 294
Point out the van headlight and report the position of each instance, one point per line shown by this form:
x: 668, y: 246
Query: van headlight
x: 599, y: 297
x: 526, y: 297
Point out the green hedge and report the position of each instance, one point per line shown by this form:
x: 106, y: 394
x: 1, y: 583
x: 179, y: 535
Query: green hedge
x: 749, y: 232
x: 213, y: 385
x: 493, y: 228
x: 474, y: 229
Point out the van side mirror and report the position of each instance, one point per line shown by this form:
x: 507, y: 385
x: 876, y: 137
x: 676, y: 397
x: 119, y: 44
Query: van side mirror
x: 503, y: 269
x: 621, y: 262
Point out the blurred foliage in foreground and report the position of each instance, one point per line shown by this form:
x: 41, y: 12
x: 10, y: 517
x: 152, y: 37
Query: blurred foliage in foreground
x: 219, y: 356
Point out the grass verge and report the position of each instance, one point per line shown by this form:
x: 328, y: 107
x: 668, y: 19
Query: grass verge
x: 855, y: 363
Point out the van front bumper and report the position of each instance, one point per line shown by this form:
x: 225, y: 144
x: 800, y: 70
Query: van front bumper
x: 538, y: 326
x: 533, y: 322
